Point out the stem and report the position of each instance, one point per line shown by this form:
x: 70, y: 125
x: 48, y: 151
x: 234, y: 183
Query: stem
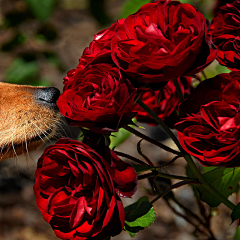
x: 178, y: 89
x: 205, y: 184
x: 177, y: 185
x: 164, y: 175
x: 130, y: 157
x: 166, y: 148
x: 161, y: 123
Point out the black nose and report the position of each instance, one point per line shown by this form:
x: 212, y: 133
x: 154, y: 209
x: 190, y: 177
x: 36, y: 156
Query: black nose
x: 47, y: 95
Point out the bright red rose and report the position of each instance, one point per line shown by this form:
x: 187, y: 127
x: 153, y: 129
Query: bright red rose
x: 77, y: 191
x: 163, y: 102
x: 99, y: 98
x: 226, y: 35
x: 209, y: 128
x: 162, y: 41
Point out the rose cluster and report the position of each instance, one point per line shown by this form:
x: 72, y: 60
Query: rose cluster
x: 162, y: 41
x: 151, y: 56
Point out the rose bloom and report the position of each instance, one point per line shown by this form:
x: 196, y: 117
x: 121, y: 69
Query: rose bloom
x: 98, y: 97
x: 162, y: 41
x: 163, y: 102
x: 221, y: 3
x: 77, y: 191
x: 226, y: 35
x: 209, y: 128
x: 99, y: 51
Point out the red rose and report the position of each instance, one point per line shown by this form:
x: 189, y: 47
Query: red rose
x: 210, y: 125
x: 78, y: 191
x: 162, y: 41
x: 99, y: 98
x: 226, y: 35
x: 221, y: 3
x: 163, y: 102
x: 99, y: 50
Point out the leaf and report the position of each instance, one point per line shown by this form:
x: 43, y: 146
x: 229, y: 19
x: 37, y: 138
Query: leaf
x: 21, y: 71
x: 224, y: 180
x: 132, y: 6
x: 138, y: 216
x: 236, y: 214
x: 237, y: 235
x: 119, y: 137
x: 42, y: 9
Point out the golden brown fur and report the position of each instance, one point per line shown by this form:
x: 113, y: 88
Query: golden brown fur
x: 24, y: 122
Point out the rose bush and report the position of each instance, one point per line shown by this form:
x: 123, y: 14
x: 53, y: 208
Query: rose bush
x: 226, y: 35
x: 162, y: 41
x: 209, y: 128
x: 98, y: 97
x: 163, y: 102
x: 78, y: 191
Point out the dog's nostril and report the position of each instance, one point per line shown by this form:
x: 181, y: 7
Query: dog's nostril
x: 49, y: 95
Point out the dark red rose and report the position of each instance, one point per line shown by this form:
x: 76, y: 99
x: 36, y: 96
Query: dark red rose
x: 99, y: 50
x: 163, y: 102
x: 225, y: 34
x: 99, y: 98
x: 162, y: 41
x: 209, y: 128
x: 77, y: 191
x: 221, y: 3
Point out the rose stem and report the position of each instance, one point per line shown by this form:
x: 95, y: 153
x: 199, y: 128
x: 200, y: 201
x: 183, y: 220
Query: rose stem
x: 188, y: 158
x: 178, y: 89
x: 176, y: 185
x: 166, y: 148
x: 164, y: 175
x: 131, y: 158
x: 161, y: 123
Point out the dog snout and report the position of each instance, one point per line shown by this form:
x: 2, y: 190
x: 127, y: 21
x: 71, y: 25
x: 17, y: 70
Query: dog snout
x: 47, y: 95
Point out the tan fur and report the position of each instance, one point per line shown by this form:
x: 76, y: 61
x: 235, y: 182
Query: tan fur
x: 24, y: 123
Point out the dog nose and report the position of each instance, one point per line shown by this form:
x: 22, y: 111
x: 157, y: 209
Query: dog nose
x: 48, y: 95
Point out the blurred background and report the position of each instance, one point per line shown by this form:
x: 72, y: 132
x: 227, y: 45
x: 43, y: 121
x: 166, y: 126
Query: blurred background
x: 40, y: 41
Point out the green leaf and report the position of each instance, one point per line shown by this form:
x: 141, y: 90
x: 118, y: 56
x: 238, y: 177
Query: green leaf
x: 237, y: 235
x: 132, y: 6
x: 21, y: 72
x: 138, y: 216
x: 42, y: 9
x: 236, y: 213
x: 224, y: 180
x: 119, y: 137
